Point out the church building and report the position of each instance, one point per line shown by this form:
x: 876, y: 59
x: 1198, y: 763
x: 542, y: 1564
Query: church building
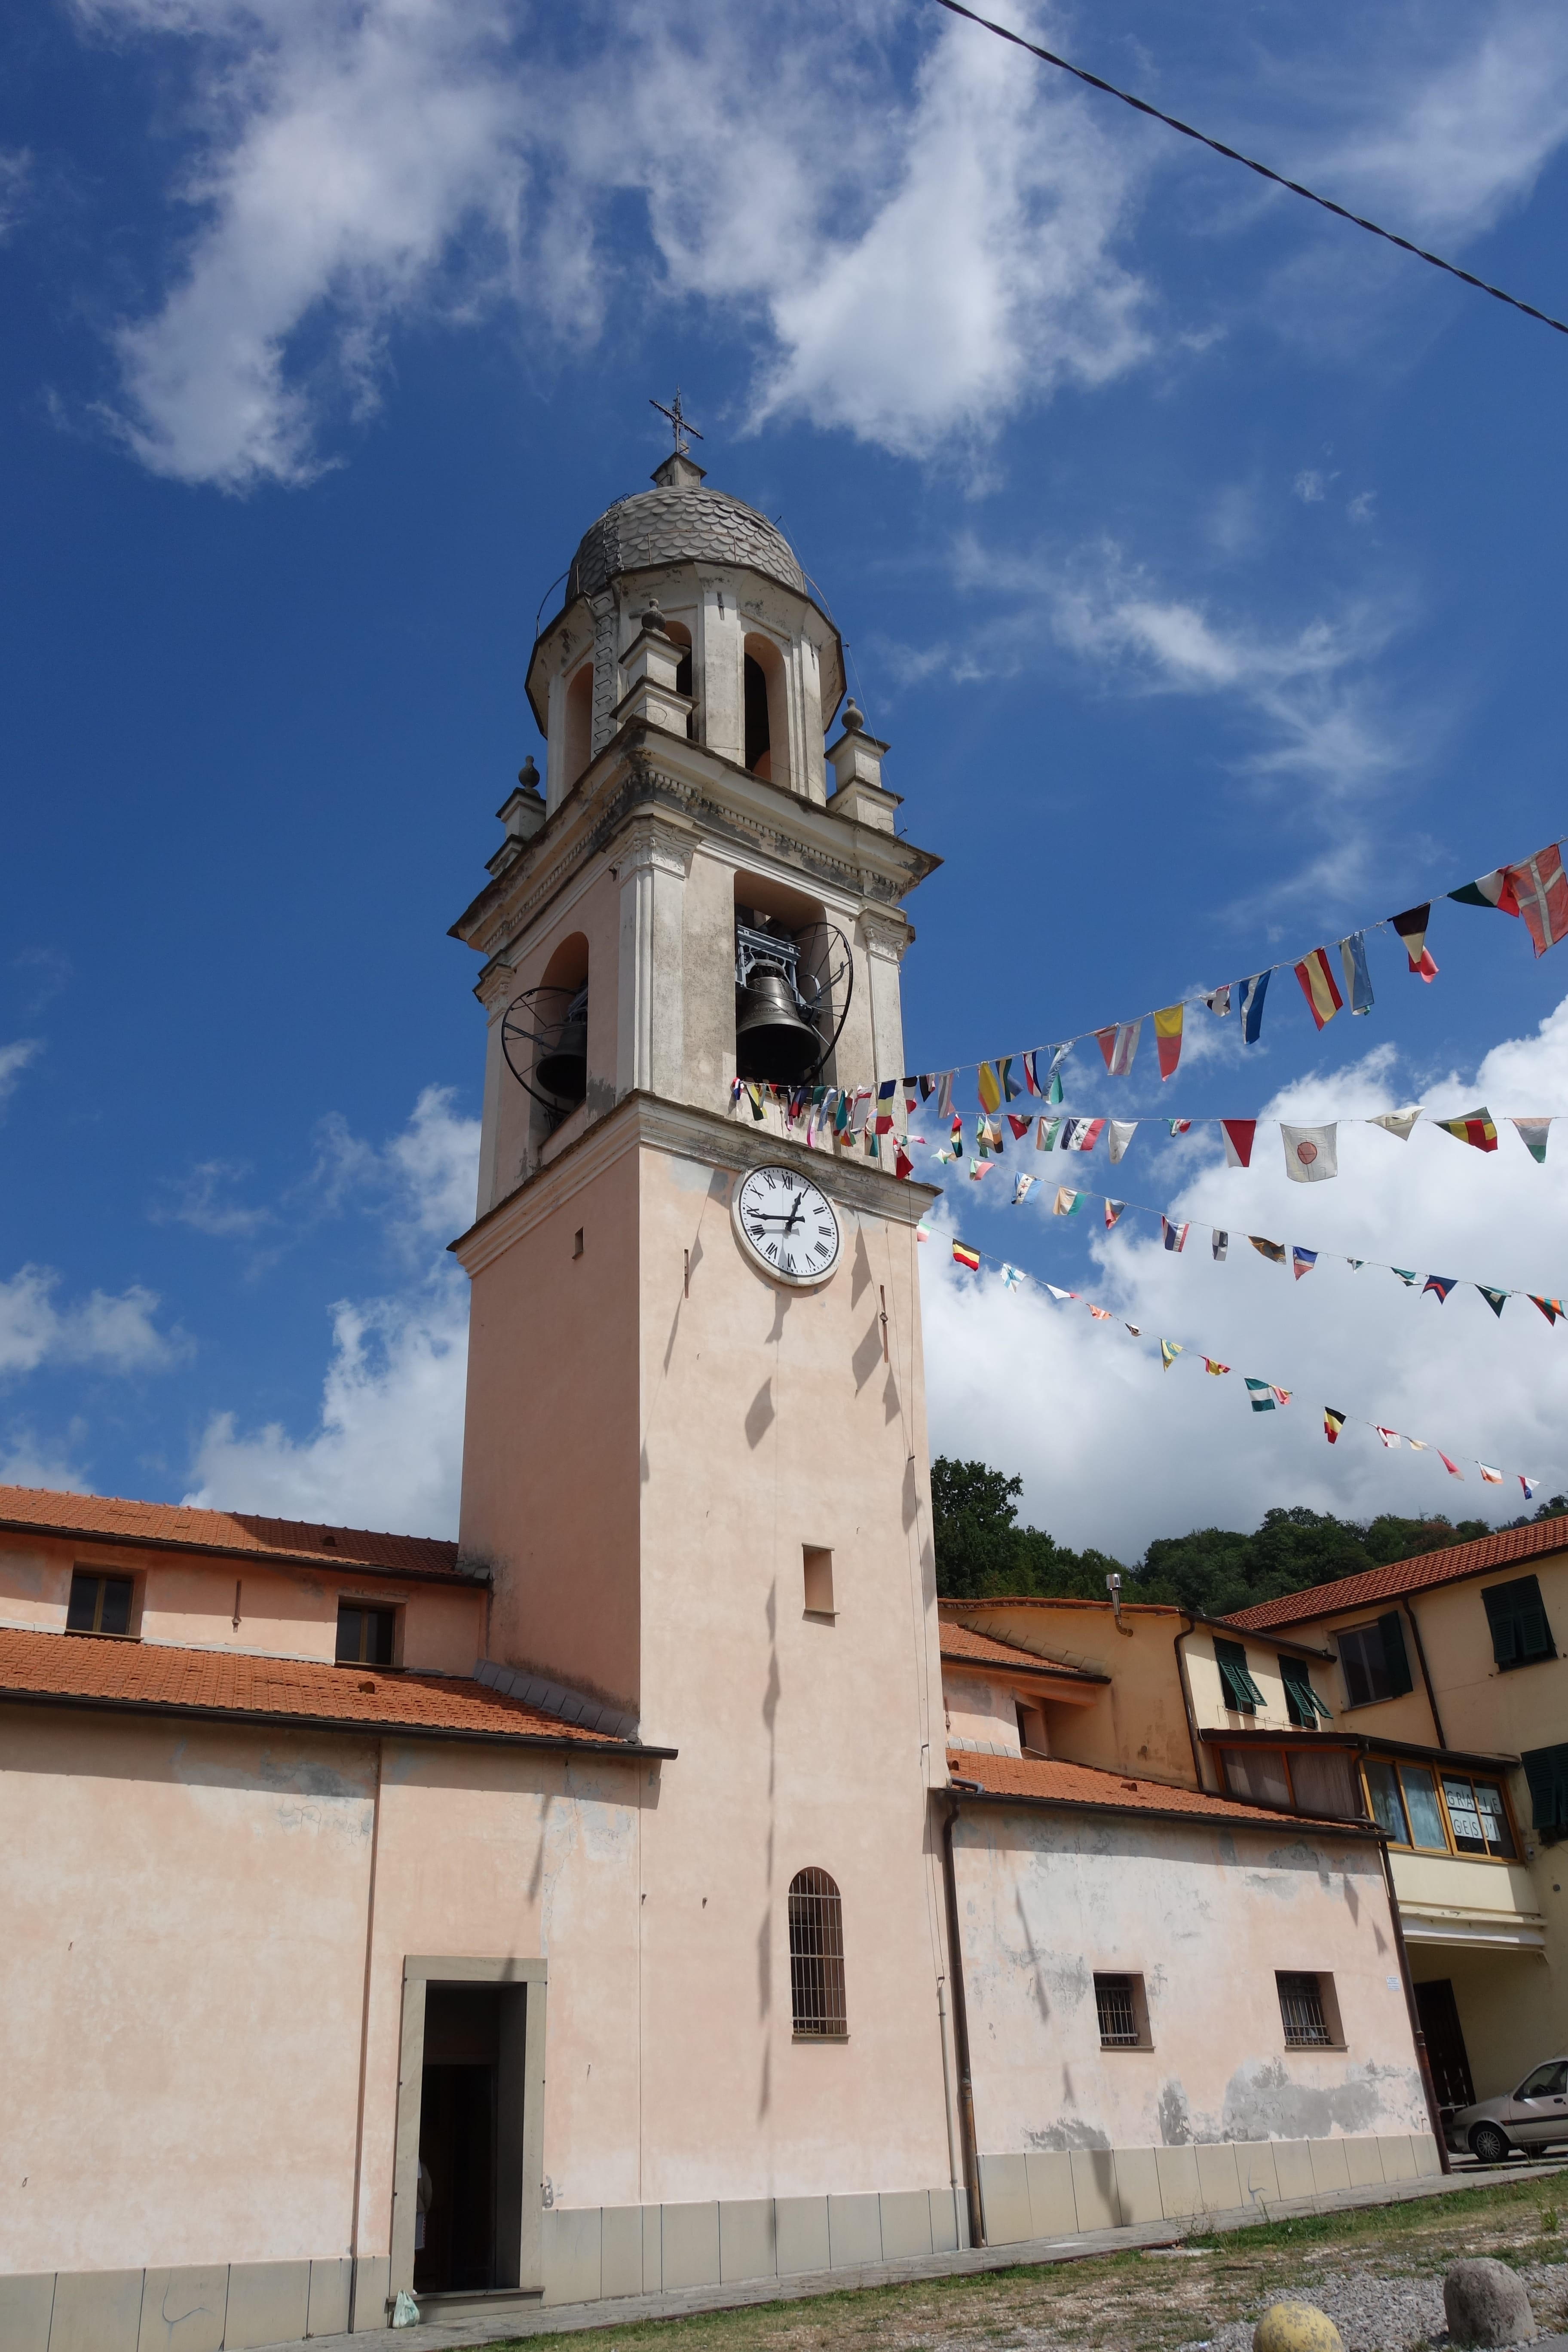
x: 656, y: 1888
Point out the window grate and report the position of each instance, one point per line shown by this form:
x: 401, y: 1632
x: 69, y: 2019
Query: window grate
x: 1302, y: 2008
x: 816, y: 1956
x: 1117, y: 2013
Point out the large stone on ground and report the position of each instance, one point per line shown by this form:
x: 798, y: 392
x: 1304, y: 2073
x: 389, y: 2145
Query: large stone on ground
x: 1486, y: 2304
x: 1296, y: 2327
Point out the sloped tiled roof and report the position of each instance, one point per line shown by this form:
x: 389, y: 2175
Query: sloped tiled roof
x: 964, y: 1646
x: 1041, y: 1779
x: 106, y: 1518
x: 1507, y: 1549
x: 90, y: 1670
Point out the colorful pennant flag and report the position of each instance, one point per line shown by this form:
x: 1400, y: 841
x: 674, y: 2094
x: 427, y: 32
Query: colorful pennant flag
x: 1332, y: 1423
x: 1081, y: 1134
x: 1490, y: 1477
x: 1397, y: 1122
x: 1439, y: 1284
x: 1390, y: 1438
x: 1492, y: 890
x: 963, y: 1256
x: 1532, y: 1134
x: 1011, y: 1089
x: 1219, y: 1242
x: 1260, y: 1393
x: 1211, y: 1364
x: 1253, y: 993
x: 1169, y: 1350
x: 902, y: 1164
x: 1021, y: 1190
x: 1496, y: 1299
x: 979, y: 1168
x: 1239, y: 1134
x: 1168, y: 1037
x: 1067, y: 1202
x: 1476, y: 1127
x: 1358, y: 980
x: 1046, y: 1132
x: 944, y: 1094
x: 1273, y: 1251
x: 1323, y: 998
x: 1011, y: 1277
x: 1529, y: 1486
x: 1551, y: 1308
x: 1061, y: 1295
x: 1452, y: 1468
x: 885, y: 1094
x: 1119, y: 1135
x: 1119, y: 1045
x: 1412, y: 929
x: 1054, y: 1074
x: 1311, y: 1154
x: 1173, y: 1236
x: 986, y: 1085
x: 1113, y: 1211
x: 1303, y: 1261
x: 1031, y: 1076
x: 1218, y: 1001
x: 1180, y: 1126
x: 922, y: 1231
x: 1405, y: 1274
x: 1020, y: 1126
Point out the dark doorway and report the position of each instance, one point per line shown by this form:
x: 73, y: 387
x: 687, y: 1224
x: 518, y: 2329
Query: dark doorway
x: 1439, y: 2015
x: 457, y: 2139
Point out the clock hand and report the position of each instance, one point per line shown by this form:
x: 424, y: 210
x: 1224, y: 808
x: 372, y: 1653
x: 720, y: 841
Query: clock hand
x: 795, y: 1213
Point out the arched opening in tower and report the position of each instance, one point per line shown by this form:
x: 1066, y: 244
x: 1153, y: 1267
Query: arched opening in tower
x: 680, y: 637
x: 759, y: 740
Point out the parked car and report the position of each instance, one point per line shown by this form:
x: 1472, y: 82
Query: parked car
x: 1534, y: 2116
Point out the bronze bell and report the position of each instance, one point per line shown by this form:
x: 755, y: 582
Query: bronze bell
x: 561, y: 1068
x: 773, y: 1042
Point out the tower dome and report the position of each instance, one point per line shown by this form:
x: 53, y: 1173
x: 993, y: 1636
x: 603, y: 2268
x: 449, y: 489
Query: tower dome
x: 679, y: 522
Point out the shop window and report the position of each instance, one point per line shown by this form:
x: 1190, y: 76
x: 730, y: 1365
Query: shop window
x: 1123, y: 2012
x: 1517, y: 1615
x: 1241, y: 1691
x: 817, y: 1957
x: 1308, y: 2009
x: 99, y: 1604
x: 366, y: 1636
x: 1373, y: 1661
x: 1302, y: 1704
x: 1546, y: 1771
x: 1477, y: 1815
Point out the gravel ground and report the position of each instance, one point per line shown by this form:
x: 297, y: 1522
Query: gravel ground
x: 1377, y: 2312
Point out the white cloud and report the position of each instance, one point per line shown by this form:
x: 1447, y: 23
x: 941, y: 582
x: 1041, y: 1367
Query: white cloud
x: 1114, y: 1452
x: 26, y: 1460
x: 385, y: 1450
x: 14, y: 1060
x: 16, y: 177
x: 1309, y: 486
x: 116, y: 1334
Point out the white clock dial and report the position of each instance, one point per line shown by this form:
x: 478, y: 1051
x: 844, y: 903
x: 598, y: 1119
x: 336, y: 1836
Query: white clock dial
x: 787, y: 1225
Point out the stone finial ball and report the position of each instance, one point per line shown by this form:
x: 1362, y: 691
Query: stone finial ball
x: 854, y: 718
x: 1485, y: 2302
x: 1296, y: 2327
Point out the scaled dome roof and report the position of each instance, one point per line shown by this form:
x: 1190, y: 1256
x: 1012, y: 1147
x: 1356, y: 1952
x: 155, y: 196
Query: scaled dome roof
x: 685, y: 524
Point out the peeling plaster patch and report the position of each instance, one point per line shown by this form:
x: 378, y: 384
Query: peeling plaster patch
x: 1068, y: 2134
x: 1176, y: 2117
x: 1262, y: 2102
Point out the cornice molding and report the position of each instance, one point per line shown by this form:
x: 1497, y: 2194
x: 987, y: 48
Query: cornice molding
x: 649, y: 1122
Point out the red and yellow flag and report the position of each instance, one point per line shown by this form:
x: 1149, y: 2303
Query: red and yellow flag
x: 1476, y: 1127
x: 1318, y: 987
x: 963, y: 1256
x: 1168, y: 1039
x: 990, y: 1088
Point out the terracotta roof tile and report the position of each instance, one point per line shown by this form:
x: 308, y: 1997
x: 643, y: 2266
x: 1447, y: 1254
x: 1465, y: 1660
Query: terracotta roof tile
x: 963, y: 1646
x: 1505, y: 1550
x: 1050, y: 1779
x: 108, y: 1518
x: 89, y: 1669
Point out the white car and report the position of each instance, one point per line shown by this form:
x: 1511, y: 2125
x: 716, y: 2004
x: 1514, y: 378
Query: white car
x: 1534, y: 2116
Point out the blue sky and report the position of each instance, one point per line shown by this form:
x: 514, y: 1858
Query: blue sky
x: 1199, y: 556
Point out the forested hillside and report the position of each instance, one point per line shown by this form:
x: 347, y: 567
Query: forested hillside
x: 981, y: 1549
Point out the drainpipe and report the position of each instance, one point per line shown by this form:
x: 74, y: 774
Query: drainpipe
x: 1181, y: 1657
x: 1422, y: 2058
x: 961, y: 2035
x: 1421, y: 1662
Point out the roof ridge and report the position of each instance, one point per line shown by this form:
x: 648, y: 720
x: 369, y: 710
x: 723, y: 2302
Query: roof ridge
x: 1476, y: 1557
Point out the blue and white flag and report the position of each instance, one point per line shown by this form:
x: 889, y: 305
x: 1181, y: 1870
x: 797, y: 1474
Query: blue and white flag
x: 1253, y: 993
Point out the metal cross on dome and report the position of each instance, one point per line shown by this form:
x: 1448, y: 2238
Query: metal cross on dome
x: 679, y: 423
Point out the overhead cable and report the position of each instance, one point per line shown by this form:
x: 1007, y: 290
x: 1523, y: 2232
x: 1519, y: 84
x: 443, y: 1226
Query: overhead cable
x: 1234, y: 156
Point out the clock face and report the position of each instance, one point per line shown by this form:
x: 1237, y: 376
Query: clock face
x: 787, y: 1225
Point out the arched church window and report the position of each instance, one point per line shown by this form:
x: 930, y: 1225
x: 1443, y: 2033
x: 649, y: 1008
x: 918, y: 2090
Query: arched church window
x: 816, y: 1956
x: 579, y: 748
x: 759, y: 740
x: 681, y: 636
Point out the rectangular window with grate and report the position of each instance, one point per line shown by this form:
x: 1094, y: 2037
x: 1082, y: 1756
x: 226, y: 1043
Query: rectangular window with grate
x: 1241, y: 1692
x: 817, y: 1957
x: 99, y: 1604
x: 1123, y: 2012
x: 1517, y: 1617
x: 1308, y: 2010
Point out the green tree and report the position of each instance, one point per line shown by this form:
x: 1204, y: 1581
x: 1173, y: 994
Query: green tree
x: 982, y: 1550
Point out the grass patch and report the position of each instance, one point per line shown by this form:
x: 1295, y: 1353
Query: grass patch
x: 1506, y: 2201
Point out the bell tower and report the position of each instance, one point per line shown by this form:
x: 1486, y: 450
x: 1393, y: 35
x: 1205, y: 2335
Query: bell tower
x: 695, y: 1452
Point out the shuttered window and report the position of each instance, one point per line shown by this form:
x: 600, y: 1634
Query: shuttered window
x: 1517, y: 1615
x: 1374, y: 1661
x: 1240, y: 1691
x: 1546, y: 1769
x: 1301, y: 1701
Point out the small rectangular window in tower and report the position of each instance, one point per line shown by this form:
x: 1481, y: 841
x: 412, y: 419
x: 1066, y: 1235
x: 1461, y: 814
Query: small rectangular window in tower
x: 99, y: 1604
x: 577, y: 1243
x: 818, y: 1564
x: 366, y: 1636
x: 1123, y: 2012
x: 1309, y: 2010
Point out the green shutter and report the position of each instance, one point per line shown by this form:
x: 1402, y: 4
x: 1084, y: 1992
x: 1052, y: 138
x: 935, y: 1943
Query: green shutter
x: 1546, y: 1769
x: 1301, y: 1700
x: 1240, y: 1691
x: 1517, y: 1615
x: 1394, y: 1657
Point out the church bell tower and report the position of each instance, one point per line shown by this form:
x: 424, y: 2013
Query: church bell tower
x: 694, y: 1455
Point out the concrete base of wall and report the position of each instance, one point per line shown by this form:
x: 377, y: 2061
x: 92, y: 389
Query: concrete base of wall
x: 1064, y: 2193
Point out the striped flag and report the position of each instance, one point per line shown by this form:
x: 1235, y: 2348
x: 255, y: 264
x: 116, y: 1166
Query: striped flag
x: 1173, y: 1236
x: 1551, y: 1308
x: 1529, y: 1486
x: 1323, y: 998
x: 963, y: 1256
x: 1113, y: 1211
x: 1168, y: 1038
x: 1169, y: 1350
x: 1031, y: 1078
x: 1212, y: 1365
x: 1046, y: 1132
x: 1358, y: 980
x: 1260, y: 1393
x: 1490, y: 1477
x: 1119, y: 1045
x: 1253, y: 993
x: 1532, y: 1134
x: 1066, y: 1203
x: 1412, y: 929
x: 1011, y: 1089
x: 885, y: 1094
x: 1303, y: 1261
x: 1081, y: 1134
x: 1475, y: 1127
x: 944, y: 1094
x: 1332, y: 1423
x: 1219, y: 1242
x: 1493, y: 889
